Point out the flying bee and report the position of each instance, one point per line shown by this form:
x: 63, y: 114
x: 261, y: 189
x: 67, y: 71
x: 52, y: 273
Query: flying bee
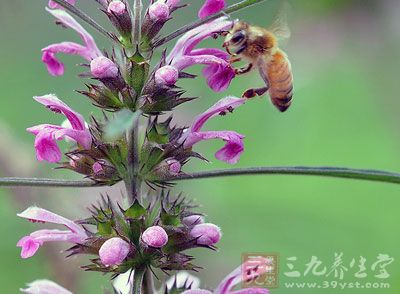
x: 259, y: 47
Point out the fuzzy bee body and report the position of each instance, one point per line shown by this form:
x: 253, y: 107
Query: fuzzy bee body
x: 278, y: 73
x: 259, y: 47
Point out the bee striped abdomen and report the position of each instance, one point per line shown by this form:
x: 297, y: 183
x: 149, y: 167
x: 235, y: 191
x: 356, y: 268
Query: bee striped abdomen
x: 280, y: 78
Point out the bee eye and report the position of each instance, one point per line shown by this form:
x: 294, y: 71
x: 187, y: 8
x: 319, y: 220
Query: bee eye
x: 238, y: 37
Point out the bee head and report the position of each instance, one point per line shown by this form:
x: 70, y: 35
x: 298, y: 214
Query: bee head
x: 236, y: 39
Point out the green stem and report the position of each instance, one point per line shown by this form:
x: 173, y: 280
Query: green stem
x: 233, y: 8
x: 333, y: 172
x: 137, y: 15
x: 138, y: 281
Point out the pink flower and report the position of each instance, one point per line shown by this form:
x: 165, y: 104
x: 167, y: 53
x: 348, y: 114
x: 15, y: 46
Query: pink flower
x: 44, y: 287
x: 167, y: 75
x: 174, y: 166
x: 233, y: 279
x: 114, y: 251
x: 117, y: 7
x: 54, y: 5
x: 218, y: 70
x: 30, y: 244
x: 88, y: 51
x: 193, y: 220
x: 155, y: 237
x: 211, y: 7
x: 207, y: 234
x: 103, y: 68
x: 159, y: 11
x: 234, y: 147
x: 47, y: 135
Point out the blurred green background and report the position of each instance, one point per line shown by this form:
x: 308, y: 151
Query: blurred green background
x: 345, y: 56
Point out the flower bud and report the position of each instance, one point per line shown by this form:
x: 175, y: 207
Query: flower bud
x: 207, y: 234
x: 159, y: 11
x: 97, y: 168
x: 116, y: 7
x: 192, y: 220
x: 103, y: 68
x: 155, y: 237
x: 167, y: 168
x: 174, y: 166
x: 114, y: 251
x: 167, y: 75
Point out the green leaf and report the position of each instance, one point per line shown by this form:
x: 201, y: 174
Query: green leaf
x: 135, y: 211
x: 170, y: 219
x: 122, y: 121
x: 104, y: 229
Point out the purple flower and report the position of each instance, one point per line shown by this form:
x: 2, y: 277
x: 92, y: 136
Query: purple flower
x: 218, y: 70
x: 114, y: 251
x: 88, y: 51
x: 44, y: 287
x: 234, y: 279
x: 206, y: 234
x: 30, y: 244
x: 155, y: 237
x: 54, y: 5
x: 211, y: 7
x: 47, y: 135
x: 234, y: 147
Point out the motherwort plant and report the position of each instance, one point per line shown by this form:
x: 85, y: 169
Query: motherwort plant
x: 136, y: 141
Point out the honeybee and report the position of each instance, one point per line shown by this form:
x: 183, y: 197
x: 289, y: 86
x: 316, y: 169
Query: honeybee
x: 259, y: 47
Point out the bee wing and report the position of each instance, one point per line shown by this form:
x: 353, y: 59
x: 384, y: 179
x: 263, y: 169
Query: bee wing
x: 280, y: 27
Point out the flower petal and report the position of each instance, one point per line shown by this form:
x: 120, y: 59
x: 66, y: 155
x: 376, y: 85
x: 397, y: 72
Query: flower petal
x: 211, y: 7
x: 29, y: 246
x: 34, y: 213
x: 236, y: 277
x: 44, y: 287
x: 46, y: 146
x: 54, y: 5
x: 69, y: 21
x: 232, y: 150
x: 223, y: 106
x: 53, y: 103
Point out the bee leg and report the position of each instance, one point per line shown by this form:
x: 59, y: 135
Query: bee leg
x: 234, y: 59
x: 243, y: 70
x: 251, y: 93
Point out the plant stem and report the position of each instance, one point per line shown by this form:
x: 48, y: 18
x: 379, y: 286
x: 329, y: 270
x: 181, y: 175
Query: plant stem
x: 148, y: 282
x: 133, y: 183
x: 138, y: 281
x: 83, y: 16
x: 333, y: 172
x: 137, y: 15
x: 186, y: 28
x: 49, y: 183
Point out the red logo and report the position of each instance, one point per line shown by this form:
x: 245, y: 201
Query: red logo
x: 260, y: 270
